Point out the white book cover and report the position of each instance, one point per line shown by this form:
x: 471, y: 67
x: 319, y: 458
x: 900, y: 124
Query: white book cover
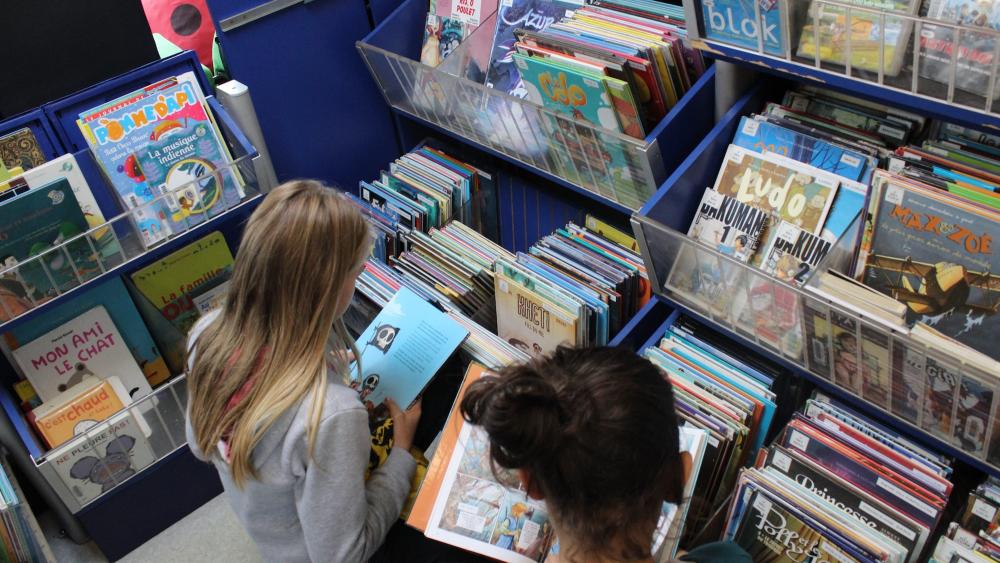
x: 89, y: 344
x: 104, y: 457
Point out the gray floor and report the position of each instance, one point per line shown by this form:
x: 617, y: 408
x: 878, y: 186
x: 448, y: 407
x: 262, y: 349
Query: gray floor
x: 210, y: 534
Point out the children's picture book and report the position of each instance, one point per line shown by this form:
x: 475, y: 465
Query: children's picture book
x: 79, y: 408
x: 113, y: 296
x: 529, y: 320
x: 874, y: 37
x: 20, y: 149
x: 88, y: 345
x: 974, y: 60
x: 565, y: 89
x: 798, y: 193
x: 932, y: 253
x: 736, y: 22
x: 728, y: 225
x: 36, y: 221
x: 793, y: 253
x: 403, y: 349
x: 532, y: 15
x: 759, y: 135
x: 102, y: 458
x: 173, y: 283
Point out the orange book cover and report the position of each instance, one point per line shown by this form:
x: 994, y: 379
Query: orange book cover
x: 79, y: 408
x: 420, y: 515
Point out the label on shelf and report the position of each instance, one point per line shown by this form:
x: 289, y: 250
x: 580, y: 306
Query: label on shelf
x: 983, y: 510
x: 799, y: 440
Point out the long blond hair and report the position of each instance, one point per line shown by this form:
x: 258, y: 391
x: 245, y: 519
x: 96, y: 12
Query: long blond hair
x: 298, y: 249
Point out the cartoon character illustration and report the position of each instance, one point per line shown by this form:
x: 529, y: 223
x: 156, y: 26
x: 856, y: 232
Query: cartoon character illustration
x: 369, y: 385
x: 520, y: 345
x: 79, y: 373
x: 384, y: 336
x: 509, y: 530
x: 112, y: 469
x: 845, y: 360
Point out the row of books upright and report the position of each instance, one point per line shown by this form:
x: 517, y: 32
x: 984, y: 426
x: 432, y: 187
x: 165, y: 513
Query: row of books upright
x: 879, y: 34
x: 810, y: 173
x: 21, y: 539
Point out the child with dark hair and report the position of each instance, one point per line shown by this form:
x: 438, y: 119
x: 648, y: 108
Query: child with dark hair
x: 592, y: 432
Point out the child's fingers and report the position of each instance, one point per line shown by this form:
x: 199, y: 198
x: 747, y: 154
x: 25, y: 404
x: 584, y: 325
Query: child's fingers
x: 394, y: 410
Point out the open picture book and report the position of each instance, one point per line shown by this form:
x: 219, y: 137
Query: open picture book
x: 464, y: 502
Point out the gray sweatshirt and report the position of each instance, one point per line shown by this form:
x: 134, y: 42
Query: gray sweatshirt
x: 317, y: 508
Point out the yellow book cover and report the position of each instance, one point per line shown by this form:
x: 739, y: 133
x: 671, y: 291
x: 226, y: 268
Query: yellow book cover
x: 529, y: 321
x: 79, y: 408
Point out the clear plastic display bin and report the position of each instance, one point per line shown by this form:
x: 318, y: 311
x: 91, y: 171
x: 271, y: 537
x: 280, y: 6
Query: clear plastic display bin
x: 936, y: 392
x: 452, y: 98
x: 119, y: 242
x: 883, y: 50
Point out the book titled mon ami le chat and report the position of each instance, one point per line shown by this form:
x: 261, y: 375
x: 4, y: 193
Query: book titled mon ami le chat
x: 403, y: 348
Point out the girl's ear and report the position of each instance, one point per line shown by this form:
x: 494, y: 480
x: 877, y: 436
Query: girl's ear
x: 529, y: 484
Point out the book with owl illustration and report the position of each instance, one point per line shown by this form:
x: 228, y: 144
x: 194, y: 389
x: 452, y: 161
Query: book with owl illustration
x: 403, y: 348
x: 798, y: 193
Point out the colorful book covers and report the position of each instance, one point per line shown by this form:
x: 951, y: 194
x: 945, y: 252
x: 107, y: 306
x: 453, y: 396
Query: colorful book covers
x: 736, y: 22
x: 20, y: 149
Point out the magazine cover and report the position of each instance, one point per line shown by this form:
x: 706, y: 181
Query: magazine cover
x: 530, y: 321
x: 89, y: 345
x: 932, y: 256
x: 793, y: 254
x: 403, y: 348
x: 112, y: 296
x: 532, y: 15
x: 727, y: 225
x: 974, y: 61
x: 940, y: 387
x: 20, y: 149
x: 777, y: 185
x: 735, y: 22
x: 869, y: 39
x: 759, y: 136
x: 35, y: 221
x: 93, y: 464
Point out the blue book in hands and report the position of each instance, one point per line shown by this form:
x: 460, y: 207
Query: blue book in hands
x: 403, y: 348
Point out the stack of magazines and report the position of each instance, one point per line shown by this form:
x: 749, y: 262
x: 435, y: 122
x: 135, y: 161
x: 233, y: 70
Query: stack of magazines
x: 839, y: 487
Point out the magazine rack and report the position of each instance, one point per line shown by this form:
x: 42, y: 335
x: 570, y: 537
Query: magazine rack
x: 623, y: 174
x: 865, y: 67
x: 875, y: 371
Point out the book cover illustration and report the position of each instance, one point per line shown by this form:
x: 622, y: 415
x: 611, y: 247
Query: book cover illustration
x: 729, y: 226
x: 974, y: 61
x: 937, y: 259
x: 735, y: 22
x: 528, y: 320
x: 778, y: 186
x: 868, y: 36
x: 88, y: 345
x: 476, y: 511
x: 20, y: 149
x: 793, y: 254
x: 531, y: 15
x: 172, y: 283
x: 79, y: 408
x: 770, y: 532
x: 34, y: 222
x: 403, y: 348
x: 760, y: 136
x: 818, y: 338
x: 441, y: 37
x: 98, y: 461
x: 875, y: 366
x: 908, y: 379
x: 940, y: 386
x: 972, y: 414
x: 185, y: 158
x: 845, y: 352
x: 112, y: 296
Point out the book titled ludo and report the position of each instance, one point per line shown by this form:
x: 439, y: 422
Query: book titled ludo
x: 161, y: 150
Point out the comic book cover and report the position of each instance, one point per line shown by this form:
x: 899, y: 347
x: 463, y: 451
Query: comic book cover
x: 442, y: 36
x: 729, y: 226
x: 972, y: 413
x: 890, y: 130
x: 937, y: 258
x: 735, y: 22
x: 20, y: 149
x: 771, y: 533
x: 871, y: 41
x: 876, y: 366
x: 530, y: 321
x: 794, y: 191
x: 760, y: 136
x: 532, y: 15
x: 845, y: 352
x: 793, y: 253
x: 908, y: 379
x: 974, y: 60
x: 940, y: 387
x: 818, y: 342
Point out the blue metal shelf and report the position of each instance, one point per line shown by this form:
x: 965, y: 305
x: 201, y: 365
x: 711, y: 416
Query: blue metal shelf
x: 918, y: 103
